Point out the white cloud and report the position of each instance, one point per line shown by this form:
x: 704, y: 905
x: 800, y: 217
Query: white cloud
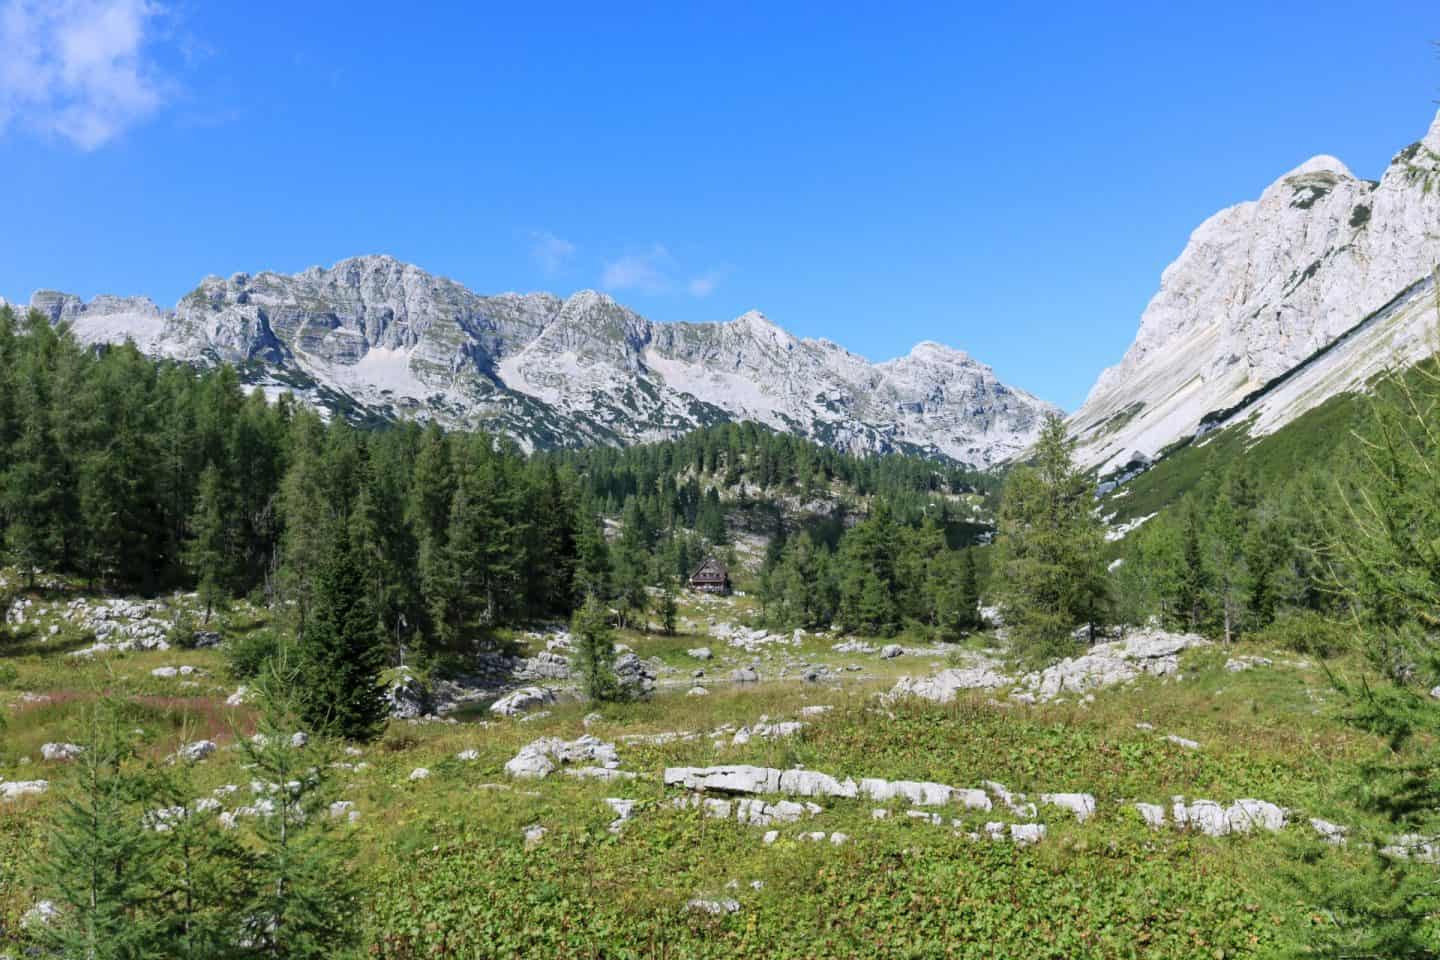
x: 705, y: 284
x: 78, y: 68
x: 655, y: 271
x: 648, y: 271
x: 550, y: 251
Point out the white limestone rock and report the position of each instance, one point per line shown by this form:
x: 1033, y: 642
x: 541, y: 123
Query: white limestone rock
x: 1259, y: 289
x: 522, y: 701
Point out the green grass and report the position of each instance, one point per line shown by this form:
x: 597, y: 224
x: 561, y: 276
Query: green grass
x: 447, y: 871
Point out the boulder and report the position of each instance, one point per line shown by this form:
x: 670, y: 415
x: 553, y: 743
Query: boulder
x: 407, y: 696
x: 13, y: 789
x: 700, y: 653
x: 196, y: 750
x: 1080, y: 804
x: 891, y: 650
x: 943, y: 686
x: 634, y: 675
x: 744, y: 675
x: 521, y: 701
x: 60, y: 752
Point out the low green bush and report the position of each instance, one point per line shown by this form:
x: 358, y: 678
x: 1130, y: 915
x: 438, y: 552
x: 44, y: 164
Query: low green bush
x: 248, y: 653
x: 1305, y: 631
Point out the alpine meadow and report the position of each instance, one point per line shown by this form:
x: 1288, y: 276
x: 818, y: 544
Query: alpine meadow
x: 348, y: 612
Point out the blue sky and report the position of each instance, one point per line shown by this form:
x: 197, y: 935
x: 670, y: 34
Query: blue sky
x: 1009, y: 181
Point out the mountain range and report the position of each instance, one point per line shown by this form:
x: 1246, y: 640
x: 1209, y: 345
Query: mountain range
x: 372, y: 337
x: 1273, y: 306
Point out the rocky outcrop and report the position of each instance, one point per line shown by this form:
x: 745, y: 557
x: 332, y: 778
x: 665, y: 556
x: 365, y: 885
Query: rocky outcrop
x: 374, y: 336
x: 1322, y: 261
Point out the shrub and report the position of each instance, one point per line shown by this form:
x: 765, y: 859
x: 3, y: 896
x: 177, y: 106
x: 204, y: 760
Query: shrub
x: 247, y: 654
x: 1305, y: 631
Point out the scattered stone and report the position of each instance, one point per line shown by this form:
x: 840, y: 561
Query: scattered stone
x: 1153, y: 813
x: 700, y: 653
x: 467, y: 755
x: 697, y: 691
x: 408, y: 696
x: 852, y: 646
x: 534, y: 834
x: 714, y: 907
x: 1142, y: 725
x: 891, y: 650
x: 943, y: 686
x: 1241, y: 664
x: 748, y: 779
x: 1182, y: 742
x: 60, y: 752
x: 1027, y: 833
x: 921, y: 794
x: 634, y: 675
x: 22, y: 788
x: 816, y: 710
x: 1330, y: 832
x: 624, y: 810
x: 595, y: 773
x: 196, y: 751
x: 40, y: 915
x: 744, y: 675
x: 238, y: 697
x: 1080, y: 804
x: 879, y: 813
x: 770, y: 837
x: 522, y: 701
x: 539, y: 758
x: 419, y: 773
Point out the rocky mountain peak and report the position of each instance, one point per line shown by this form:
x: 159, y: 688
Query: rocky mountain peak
x: 1432, y: 137
x: 1322, y: 164
x: 373, y: 333
x: 1260, y: 288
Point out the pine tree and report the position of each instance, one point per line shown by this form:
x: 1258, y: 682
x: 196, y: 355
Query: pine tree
x: 341, y: 653
x: 595, y: 651
x: 1049, y: 570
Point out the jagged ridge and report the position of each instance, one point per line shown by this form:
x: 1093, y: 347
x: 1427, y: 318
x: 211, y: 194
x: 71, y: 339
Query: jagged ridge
x: 386, y: 338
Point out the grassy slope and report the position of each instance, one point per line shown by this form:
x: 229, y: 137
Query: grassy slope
x: 448, y: 872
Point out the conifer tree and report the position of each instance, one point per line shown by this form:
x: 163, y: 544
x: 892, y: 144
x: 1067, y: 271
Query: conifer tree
x: 595, y: 651
x: 202, y: 869
x: 1382, y: 532
x: 100, y: 873
x: 210, y: 553
x: 1049, y: 568
x: 341, y: 653
x: 669, y: 607
x: 304, y: 899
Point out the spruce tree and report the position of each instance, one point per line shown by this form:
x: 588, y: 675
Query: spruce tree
x: 342, y: 651
x: 209, y: 553
x: 595, y: 651
x: 100, y: 873
x: 669, y: 607
x: 304, y: 899
x: 1049, y: 569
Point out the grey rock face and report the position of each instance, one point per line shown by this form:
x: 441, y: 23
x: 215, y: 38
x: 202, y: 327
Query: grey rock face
x: 1259, y: 289
x: 399, y: 342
